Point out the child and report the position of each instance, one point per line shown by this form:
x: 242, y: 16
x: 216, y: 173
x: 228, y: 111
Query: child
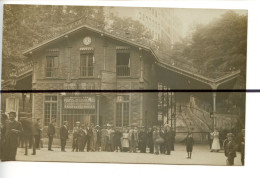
x: 189, y: 144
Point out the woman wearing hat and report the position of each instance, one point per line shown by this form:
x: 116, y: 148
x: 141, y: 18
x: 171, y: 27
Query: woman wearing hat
x: 215, y: 144
x: 125, y: 140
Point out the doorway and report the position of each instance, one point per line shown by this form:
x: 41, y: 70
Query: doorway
x: 84, y: 116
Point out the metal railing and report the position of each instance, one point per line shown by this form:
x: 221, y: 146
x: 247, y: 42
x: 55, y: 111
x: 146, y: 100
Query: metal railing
x: 122, y: 70
x: 86, y: 71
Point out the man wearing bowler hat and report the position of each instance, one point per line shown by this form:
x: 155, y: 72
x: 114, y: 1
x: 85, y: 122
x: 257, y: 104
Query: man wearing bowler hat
x: 230, y: 149
x: 13, y: 129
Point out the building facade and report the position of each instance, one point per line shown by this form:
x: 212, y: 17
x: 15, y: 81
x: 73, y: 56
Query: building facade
x: 162, y: 23
x: 88, y: 60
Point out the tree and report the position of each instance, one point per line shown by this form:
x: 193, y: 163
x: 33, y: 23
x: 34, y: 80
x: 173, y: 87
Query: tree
x: 217, y: 47
x: 129, y: 28
x: 26, y: 25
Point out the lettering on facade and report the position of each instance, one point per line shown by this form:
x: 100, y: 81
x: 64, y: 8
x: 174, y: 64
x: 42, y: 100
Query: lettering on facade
x: 72, y: 102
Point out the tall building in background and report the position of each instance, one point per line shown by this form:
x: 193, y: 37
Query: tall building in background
x: 162, y: 23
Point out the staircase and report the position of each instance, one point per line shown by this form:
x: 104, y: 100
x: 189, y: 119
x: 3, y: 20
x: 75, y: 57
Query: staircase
x: 187, y: 121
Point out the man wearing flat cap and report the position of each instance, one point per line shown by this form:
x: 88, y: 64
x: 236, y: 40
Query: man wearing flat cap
x: 64, y: 135
x: 13, y: 129
x: 230, y: 149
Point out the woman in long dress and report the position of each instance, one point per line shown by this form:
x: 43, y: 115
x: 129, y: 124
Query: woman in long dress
x: 125, y: 140
x: 215, y: 144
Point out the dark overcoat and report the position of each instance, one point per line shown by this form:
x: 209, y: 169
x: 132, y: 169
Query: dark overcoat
x: 64, y: 134
x: 189, y: 144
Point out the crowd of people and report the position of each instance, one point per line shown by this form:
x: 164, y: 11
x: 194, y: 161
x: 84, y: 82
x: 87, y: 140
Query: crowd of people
x: 90, y: 138
x: 128, y: 139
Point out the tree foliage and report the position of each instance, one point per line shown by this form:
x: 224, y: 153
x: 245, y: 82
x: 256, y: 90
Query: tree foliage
x: 129, y: 28
x: 26, y: 25
x: 218, y: 46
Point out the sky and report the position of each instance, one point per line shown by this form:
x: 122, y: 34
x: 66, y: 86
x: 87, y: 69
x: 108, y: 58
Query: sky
x: 190, y: 17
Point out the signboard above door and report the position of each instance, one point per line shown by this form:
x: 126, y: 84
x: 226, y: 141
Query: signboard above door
x: 79, y: 102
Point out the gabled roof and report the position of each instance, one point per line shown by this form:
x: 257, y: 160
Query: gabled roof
x: 104, y: 33
x: 159, y: 58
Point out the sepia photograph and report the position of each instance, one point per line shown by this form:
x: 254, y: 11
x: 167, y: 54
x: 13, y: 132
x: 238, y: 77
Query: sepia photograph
x: 110, y: 84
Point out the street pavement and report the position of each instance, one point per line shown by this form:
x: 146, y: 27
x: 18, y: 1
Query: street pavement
x: 201, y: 156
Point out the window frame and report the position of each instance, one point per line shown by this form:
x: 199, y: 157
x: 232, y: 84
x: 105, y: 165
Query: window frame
x: 123, y: 104
x: 53, y: 69
x: 50, y: 112
x: 128, y: 66
x: 86, y: 58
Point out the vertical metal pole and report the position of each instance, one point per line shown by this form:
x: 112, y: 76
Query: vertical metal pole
x: 167, y: 103
x: 61, y: 98
x: 175, y: 114
x: 214, y: 110
x: 162, y: 103
x: 98, y: 109
x: 171, y: 108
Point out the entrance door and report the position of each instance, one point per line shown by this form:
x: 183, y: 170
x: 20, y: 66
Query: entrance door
x: 76, y: 115
x: 88, y: 120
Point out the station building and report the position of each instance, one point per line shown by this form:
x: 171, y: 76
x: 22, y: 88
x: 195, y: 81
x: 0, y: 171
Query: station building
x: 89, y: 59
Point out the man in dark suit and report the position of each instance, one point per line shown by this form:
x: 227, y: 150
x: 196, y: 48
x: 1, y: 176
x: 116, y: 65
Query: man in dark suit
x: 13, y: 129
x: 50, y: 133
x: 89, y: 137
x: 37, y: 133
x: 64, y: 135
x: 133, y: 139
x: 168, y: 139
x: 142, y: 140
x: 28, y: 134
x: 230, y: 149
x: 150, y: 140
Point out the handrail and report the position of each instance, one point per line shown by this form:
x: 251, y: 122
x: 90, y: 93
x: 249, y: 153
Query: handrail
x: 194, y: 122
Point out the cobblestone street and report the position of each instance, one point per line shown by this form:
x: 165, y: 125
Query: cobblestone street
x: 201, y: 156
